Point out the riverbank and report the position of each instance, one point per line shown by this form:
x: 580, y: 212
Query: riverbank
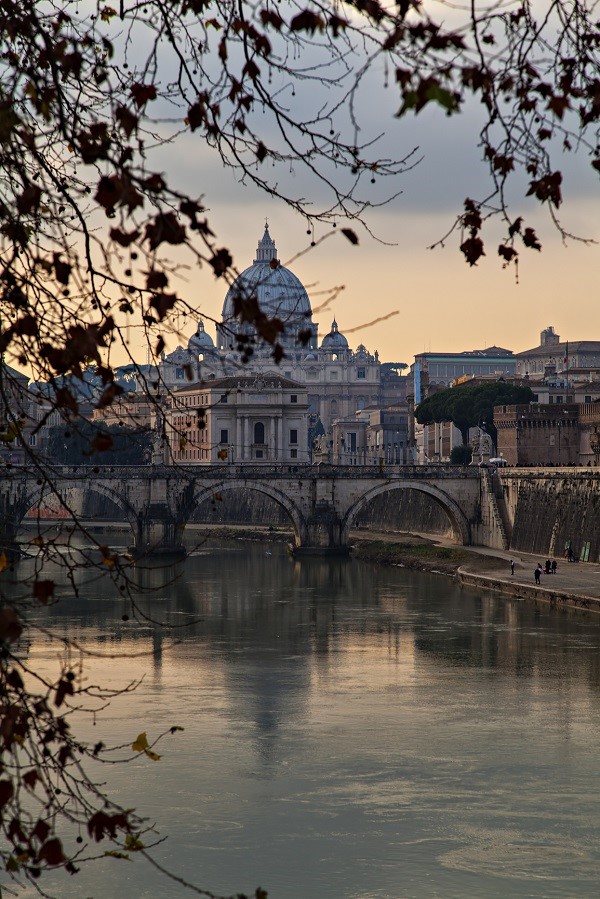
x: 575, y: 585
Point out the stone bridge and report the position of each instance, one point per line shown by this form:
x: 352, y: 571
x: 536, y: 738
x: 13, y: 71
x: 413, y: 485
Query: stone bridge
x: 538, y: 510
x: 322, y: 501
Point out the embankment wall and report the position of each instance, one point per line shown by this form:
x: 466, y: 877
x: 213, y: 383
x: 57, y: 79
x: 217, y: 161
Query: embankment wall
x: 548, y: 510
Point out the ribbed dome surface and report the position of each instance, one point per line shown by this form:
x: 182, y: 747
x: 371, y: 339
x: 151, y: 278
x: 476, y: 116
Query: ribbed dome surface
x: 278, y: 290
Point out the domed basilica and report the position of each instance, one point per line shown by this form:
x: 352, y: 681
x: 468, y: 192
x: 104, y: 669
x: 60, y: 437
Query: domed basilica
x: 339, y: 382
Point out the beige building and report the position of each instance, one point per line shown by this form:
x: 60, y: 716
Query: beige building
x: 245, y: 419
x: 132, y: 410
x: 561, y: 364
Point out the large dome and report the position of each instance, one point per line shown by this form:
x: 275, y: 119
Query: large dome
x: 279, y: 292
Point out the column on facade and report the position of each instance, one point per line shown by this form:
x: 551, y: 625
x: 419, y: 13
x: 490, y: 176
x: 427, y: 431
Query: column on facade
x: 239, y: 439
x: 246, y: 454
x: 280, y: 437
x: 272, y: 454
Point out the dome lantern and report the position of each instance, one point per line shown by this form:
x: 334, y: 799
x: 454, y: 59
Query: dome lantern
x: 266, y: 250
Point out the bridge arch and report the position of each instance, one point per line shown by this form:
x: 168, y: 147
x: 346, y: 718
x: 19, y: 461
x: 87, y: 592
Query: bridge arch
x: 34, y: 495
x: 294, y: 513
x: 449, y: 505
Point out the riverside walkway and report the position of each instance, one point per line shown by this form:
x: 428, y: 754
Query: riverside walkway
x: 575, y: 583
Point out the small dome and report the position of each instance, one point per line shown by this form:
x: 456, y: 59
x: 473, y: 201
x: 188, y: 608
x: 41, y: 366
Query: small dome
x: 200, y: 342
x: 279, y: 292
x: 335, y: 340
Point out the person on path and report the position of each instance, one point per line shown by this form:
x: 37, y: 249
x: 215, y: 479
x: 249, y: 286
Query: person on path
x: 537, y: 573
x: 554, y: 566
x: 512, y: 566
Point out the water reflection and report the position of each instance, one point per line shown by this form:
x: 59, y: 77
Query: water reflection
x: 353, y: 730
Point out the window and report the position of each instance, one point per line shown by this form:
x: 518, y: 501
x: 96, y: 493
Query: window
x: 293, y: 454
x: 259, y: 454
x: 352, y: 442
x: 259, y: 432
x: 293, y: 435
x: 224, y: 436
x: 294, y: 398
x: 179, y: 374
x: 558, y: 399
x: 333, y: 375
x: 587, y: 399
x: 33, y: 440
x: 223, y: 398
x: 360, y: 374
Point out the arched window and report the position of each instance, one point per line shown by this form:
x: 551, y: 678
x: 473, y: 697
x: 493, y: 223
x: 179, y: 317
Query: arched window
x: 259, y: 432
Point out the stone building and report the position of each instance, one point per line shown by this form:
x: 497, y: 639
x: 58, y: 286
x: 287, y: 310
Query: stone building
x: 538, y: 434
x: 250, y: 418
x: 338, y: 380
x: 26, y: 416
x: 131, y: 410
x: 560, y: 363
x: 443, y: 369
x: 589, y: 434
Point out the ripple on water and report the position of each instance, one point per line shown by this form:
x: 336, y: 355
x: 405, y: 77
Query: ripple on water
x: 511, y: 855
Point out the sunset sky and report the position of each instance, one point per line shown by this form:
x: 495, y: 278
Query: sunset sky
x: 441, y: 303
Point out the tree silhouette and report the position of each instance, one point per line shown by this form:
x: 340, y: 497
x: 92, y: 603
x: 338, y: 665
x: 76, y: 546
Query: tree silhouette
x: 471, y: 405
x: 94, y: 235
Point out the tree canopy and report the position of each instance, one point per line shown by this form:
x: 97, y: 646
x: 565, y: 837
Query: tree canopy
x: 471, y: 405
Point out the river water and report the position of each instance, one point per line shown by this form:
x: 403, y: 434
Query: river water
x: 351, y: 732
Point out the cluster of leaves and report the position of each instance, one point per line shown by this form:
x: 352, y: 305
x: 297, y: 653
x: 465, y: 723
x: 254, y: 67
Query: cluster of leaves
x: 43, y: 783
x: 471, y: 405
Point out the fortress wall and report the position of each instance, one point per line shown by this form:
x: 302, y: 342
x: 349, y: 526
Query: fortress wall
x: 548, y: 509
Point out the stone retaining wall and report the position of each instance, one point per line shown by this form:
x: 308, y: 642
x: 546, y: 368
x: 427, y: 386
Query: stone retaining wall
x: 524, y: 591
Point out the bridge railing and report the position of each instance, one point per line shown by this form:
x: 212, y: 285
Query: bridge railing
x: 241, y: 471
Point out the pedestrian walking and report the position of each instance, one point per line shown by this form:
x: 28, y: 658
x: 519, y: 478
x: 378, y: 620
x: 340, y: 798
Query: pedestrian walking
x: 512, y: 566
x: 554, y: 566
x: 537, y: 573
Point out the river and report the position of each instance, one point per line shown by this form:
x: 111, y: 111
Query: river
x: 351, y: 731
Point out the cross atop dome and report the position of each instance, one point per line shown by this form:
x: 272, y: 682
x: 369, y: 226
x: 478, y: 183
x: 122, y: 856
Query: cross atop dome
x: 266, y: 250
